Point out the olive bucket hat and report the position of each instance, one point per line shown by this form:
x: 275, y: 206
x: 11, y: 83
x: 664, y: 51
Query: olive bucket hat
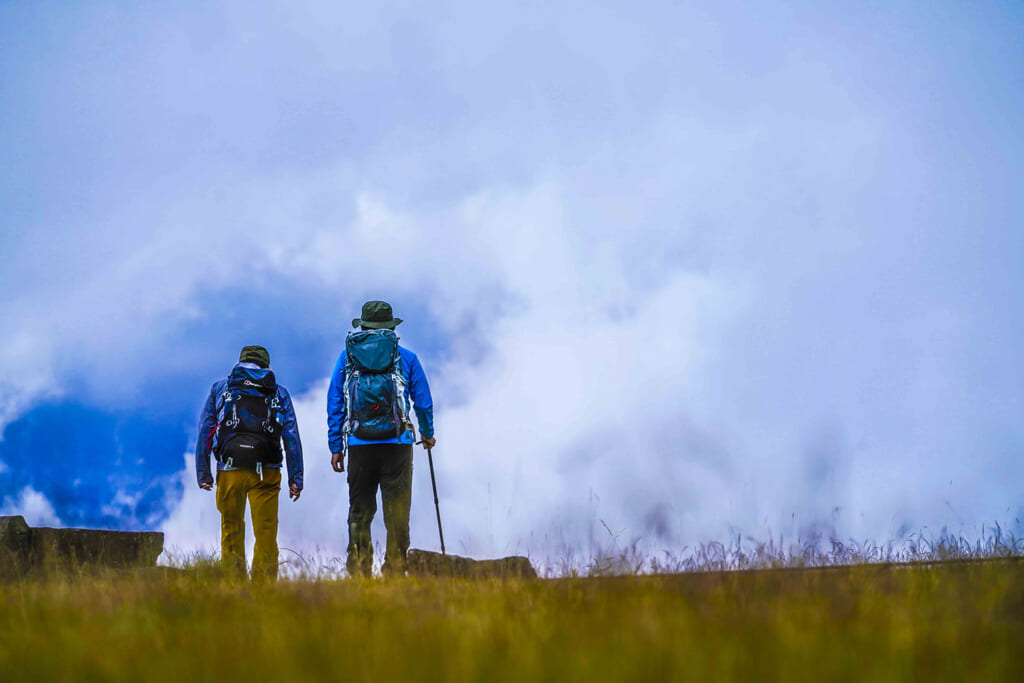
x: 377, y: 316
x: 255, y: 354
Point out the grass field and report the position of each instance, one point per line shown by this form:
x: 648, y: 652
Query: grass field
x: 962, y: 620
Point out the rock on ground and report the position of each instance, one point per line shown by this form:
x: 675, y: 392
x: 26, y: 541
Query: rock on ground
x: 25, y: 550
x: 426, y: 563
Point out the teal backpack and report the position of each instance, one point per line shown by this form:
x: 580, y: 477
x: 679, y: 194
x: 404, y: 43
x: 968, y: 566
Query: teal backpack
x: 374, y: 387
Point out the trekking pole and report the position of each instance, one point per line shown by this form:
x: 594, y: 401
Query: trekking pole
x: 437, y: 506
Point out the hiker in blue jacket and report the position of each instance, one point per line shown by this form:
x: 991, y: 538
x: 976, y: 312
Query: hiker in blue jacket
x: 368, y: 420
x: 245, y: 418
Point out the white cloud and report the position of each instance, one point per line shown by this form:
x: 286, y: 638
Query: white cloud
x: 28, y: 375
x: 662, y: 410
x: 689, y: 273
x: 33, y: 506
x: 193, y: 524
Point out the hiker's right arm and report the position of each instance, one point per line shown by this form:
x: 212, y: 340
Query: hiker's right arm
x: 336, y: 406
x: 292, y: 443
x: 422, y: 401
x: 207, y: 423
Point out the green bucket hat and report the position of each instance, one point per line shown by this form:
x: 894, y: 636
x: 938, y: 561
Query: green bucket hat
x: 255, y: 354
x: 377, y: 316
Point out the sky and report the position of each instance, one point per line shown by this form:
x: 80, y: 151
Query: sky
x: 675, y: 270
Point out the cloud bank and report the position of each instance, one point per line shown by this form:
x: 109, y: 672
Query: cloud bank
x: 671, y: 271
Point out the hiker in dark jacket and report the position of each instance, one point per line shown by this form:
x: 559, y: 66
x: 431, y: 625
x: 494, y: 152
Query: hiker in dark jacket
x: 368, y: 420
x: 245, y: 418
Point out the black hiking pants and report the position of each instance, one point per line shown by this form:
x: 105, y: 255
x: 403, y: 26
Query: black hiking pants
x: 388, y: 466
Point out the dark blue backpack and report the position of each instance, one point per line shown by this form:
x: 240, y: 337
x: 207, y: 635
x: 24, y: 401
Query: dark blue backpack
x: 249, y: 433
x: 374, y: 386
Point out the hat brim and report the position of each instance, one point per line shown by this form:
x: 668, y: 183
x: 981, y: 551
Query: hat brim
x: 385, y: 325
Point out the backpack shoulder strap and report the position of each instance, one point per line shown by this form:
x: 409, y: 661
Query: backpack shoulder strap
x: 402, y: 419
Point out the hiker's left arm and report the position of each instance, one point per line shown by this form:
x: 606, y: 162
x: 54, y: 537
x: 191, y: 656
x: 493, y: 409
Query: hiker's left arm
x: 207, y: 423
x: 292, y: 442
x: 423, y: 403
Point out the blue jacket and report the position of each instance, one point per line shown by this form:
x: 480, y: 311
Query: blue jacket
x: 213, y: 414
x: 415, y: 385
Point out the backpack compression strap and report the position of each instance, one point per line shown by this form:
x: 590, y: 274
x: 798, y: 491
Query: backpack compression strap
x: 402, y: 421
x: 351, y: 377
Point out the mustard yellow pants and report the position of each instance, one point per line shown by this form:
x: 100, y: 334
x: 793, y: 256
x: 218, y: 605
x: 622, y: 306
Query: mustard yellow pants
x: 233, y: 488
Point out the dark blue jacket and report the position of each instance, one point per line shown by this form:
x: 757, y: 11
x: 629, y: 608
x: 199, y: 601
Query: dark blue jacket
x: 415, y: 385
x: 213, y: 414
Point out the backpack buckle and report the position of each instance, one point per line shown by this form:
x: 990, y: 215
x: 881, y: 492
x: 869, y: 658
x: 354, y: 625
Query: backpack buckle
x: 233, y: 421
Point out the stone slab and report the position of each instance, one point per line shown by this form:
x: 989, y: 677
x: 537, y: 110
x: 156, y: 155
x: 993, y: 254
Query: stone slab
x: 95, y: 548
x: 425, y: 563
x: 24, y: 549
x: 15, y: 543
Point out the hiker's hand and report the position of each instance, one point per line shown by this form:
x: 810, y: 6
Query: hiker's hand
x: 338, y: 462
x: 429, y: 443
x: 294, y: 492
x: 206, y: 486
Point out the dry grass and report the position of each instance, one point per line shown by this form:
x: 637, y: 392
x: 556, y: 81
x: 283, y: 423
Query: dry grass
x: 953, y: 621
x: 815, y: 549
